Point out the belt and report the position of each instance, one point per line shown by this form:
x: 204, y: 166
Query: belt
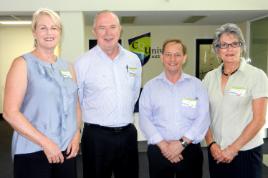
x: 111, y: 129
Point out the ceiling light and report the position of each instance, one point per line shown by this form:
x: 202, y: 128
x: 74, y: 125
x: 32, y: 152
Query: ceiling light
x: 18, y: 22
x: 127, y: 19
x: 193, y: 19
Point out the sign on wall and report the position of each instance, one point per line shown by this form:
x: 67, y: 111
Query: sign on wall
x: 141, y: 45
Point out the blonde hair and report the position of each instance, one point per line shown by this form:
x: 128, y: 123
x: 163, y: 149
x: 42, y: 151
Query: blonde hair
x: 44, y: 11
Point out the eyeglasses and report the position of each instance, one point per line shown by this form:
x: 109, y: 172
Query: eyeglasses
x: 169, y: 55
x: 227, y: 45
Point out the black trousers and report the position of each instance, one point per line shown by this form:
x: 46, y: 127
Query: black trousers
x: 106, y: 151
x: 247, y: 164
x: 36, y: 165
x: 189, y: 167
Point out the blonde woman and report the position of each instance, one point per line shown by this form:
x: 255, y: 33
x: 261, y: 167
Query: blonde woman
x: 40, y: 103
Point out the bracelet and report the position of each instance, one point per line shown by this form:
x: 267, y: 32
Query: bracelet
x: 211, y: 144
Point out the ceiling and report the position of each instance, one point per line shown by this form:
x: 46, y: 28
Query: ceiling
x: 164, y: 17
x: 178, y: 17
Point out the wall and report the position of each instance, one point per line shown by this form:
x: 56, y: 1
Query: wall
x: 128, y: 5
x: 13, y: 42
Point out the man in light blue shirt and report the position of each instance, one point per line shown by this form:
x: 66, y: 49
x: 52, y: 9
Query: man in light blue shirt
x: 174, y: 117
x: 109, y: 79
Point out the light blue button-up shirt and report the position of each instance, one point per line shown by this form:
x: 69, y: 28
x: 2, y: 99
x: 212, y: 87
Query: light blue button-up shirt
x: 108, y: 89
x: 170, y: 111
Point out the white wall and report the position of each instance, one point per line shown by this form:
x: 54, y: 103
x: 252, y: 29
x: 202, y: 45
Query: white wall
x: 130, y: 5
x: 13, y: 43
x: 73, y: 36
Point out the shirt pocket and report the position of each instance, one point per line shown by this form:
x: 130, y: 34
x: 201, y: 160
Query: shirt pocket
x: 189, y: 108
x: 131, y: 80
x: 189, y: 112
x: 236, y: 100
x: 131, y: 76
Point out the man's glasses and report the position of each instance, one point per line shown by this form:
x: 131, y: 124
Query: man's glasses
x: 227, y: 45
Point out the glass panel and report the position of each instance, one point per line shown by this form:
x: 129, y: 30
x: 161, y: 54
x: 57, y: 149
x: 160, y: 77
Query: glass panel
x: 259, y: 43
x: 259, y: 49
x: 206, y: 59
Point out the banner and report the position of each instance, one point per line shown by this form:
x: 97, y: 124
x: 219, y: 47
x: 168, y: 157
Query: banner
x: 141, y: 45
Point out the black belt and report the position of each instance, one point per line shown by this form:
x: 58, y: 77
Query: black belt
x: 111, y: 129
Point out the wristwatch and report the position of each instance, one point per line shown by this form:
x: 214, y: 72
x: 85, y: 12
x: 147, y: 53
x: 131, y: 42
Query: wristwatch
x: 183, y: 143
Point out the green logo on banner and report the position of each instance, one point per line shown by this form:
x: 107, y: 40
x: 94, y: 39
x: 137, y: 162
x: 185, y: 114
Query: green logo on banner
x: 141, y: 45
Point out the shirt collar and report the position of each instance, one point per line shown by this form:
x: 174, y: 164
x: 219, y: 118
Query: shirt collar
x: 241, y: 68
x: 44, y: 63
x: 243, y: 63
x: 104, y: 55
x: 163, y: 77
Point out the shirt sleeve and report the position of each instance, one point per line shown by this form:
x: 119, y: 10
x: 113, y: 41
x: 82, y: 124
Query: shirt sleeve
x: 260, y: 88
x: 80, y: 80
x: 137, y: 84
x: 200, y: 126
x: 146, y: 118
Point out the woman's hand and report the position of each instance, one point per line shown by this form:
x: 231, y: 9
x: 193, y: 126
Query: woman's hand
x: 229, y: 153
x: 216, y: 152
x: 73, y: 147
x: 52, y: 152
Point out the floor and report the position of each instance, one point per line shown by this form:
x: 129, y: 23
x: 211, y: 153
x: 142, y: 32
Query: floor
x: 6, y: 162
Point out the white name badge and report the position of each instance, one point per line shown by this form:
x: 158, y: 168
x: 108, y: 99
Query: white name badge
x: 188, y: 102
x: 66, y: 73
x: 237, y: 91
x: 131, y: 71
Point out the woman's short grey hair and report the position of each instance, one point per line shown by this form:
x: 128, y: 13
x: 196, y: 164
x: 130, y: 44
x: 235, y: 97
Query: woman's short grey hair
x: 229, y: 28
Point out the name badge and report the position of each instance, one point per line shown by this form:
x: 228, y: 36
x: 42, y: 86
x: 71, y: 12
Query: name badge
x: 66, y: 73
x: 188, y: 102
x: 131, y: 71
x: 237, y: 91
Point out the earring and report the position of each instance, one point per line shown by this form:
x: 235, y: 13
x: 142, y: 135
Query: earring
x: 35, y: 43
